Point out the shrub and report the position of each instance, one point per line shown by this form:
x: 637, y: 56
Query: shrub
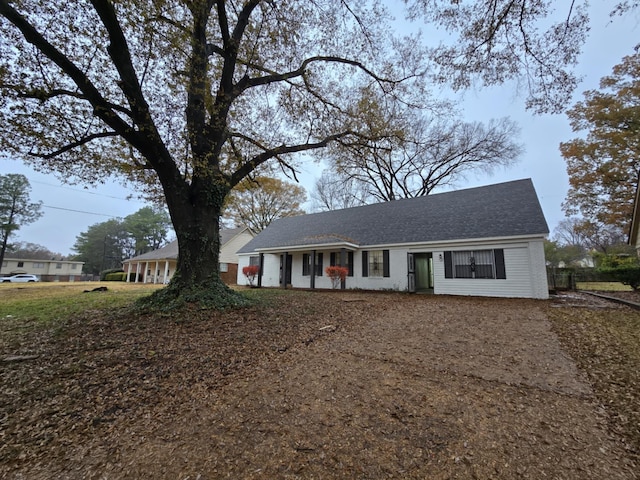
x: 251, y: 271
x: 337, y: 275
x: 627, y: 274
x: 104, y: 273
x: 115, y: 277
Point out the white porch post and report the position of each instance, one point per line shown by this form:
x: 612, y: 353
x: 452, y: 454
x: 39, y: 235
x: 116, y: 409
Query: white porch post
x: 146, y: 270
x: 128, y: 271
x: 166, y: 272
x: 155, y: 273
x: 137, y: 272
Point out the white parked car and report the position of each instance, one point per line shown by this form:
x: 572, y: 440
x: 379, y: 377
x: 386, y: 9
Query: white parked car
x: 20, y: 277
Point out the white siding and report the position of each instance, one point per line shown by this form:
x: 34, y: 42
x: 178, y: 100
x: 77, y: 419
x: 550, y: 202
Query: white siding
x: 524, y: 265
x: 525, y: 272
x: 229, y: 249
x: 538, y: 265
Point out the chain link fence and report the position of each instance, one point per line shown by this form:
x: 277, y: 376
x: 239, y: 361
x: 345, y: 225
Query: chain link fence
x: 567, y: 278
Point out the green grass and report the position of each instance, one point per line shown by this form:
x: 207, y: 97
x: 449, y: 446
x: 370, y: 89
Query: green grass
x: 604, y: 286
x: 43, y: 303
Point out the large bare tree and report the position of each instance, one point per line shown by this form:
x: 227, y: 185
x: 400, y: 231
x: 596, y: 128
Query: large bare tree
x: 409, y: 152
x: 195, y: 95
x: 333, y: 191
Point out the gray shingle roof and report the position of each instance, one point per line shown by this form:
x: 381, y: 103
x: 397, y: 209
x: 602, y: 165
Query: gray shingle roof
x: 500, y: 210
x: 170, y: 251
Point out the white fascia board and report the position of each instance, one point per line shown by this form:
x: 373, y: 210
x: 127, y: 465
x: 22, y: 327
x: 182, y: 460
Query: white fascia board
x: 306, y: 248
x: 456, y: 243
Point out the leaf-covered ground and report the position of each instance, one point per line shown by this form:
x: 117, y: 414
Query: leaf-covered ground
x: 327, y: 385
x: 605, y: 341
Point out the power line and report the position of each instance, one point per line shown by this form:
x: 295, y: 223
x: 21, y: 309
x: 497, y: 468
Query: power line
x: 80, y: 211
x: 80, y: 190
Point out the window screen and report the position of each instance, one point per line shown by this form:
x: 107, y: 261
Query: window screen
x: 375, y: 263
x: 474, y: 264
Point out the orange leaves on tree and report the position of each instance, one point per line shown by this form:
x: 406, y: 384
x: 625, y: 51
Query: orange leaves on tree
x: 251, y: 271
x: 604, y: 165
x: 337, y: 275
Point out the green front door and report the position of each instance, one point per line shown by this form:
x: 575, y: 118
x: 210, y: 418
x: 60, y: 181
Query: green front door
x: 424, y: 272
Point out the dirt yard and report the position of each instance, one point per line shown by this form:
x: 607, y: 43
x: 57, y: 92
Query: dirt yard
x: 313, y: 386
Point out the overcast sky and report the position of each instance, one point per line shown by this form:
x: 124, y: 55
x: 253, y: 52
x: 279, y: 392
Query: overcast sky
x: 69, y: 210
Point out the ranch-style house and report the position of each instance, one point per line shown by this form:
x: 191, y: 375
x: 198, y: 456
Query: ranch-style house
x: 485, y: 241
x: 158, y: 266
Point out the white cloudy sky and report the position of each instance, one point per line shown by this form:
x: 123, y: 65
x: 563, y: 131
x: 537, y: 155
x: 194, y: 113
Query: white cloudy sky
x: 70, y: 210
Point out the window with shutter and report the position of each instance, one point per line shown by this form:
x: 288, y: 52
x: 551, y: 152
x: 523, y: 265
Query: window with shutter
x: 375, y: 263
x: 475, y: 264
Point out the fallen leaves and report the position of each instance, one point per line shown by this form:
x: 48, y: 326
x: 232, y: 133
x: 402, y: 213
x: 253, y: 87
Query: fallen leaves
x: 320, y: 385
x: 605, y: 343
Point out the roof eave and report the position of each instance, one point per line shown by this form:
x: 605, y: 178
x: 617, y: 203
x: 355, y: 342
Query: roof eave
x: 307, y: 247
x: 352, y: 246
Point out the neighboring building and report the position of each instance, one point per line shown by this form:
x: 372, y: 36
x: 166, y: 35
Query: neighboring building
x: 159, y: 265
x: 54, y: 270
x: 485, y: 241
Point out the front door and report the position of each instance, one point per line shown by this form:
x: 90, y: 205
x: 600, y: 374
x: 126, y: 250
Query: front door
x: 423, y: 272
x: 285, y: 269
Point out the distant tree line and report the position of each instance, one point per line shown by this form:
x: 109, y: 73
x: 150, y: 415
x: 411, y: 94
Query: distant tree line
x: 107, y: 244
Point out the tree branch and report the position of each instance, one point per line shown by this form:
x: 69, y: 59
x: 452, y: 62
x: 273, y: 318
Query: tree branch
x: 77, y: 143
x: 44, y: 95
x: 118, y: 50
x: 225, y: 95
x: 269, y: 153
x: 274, y: 77
x: 102, y: 108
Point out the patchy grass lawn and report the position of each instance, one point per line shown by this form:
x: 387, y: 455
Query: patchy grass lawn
x: 46, y: 302
x: 604, y: 286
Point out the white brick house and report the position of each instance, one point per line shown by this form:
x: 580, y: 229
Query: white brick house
x: 485, y: 241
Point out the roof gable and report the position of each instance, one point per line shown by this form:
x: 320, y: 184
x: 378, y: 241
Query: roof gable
x: 500, y: 210
x: 170, y: 250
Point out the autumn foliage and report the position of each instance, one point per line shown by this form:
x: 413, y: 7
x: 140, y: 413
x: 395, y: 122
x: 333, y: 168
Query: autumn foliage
x: 337, y: 275
x: 603, y: 166
x: 251, y: 271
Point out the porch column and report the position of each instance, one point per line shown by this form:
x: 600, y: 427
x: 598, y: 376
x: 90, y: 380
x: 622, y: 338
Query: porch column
x: 343, y: 263
x: 155, y: 273
x: 128, y: 271
x: 312, y: 270
x: 166, y: 272
x: 146, y: 270
x: 283, y: 263
x: 137, y: 272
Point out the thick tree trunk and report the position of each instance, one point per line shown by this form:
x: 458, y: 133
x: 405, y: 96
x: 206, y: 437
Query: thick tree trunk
x: 196, y: 220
